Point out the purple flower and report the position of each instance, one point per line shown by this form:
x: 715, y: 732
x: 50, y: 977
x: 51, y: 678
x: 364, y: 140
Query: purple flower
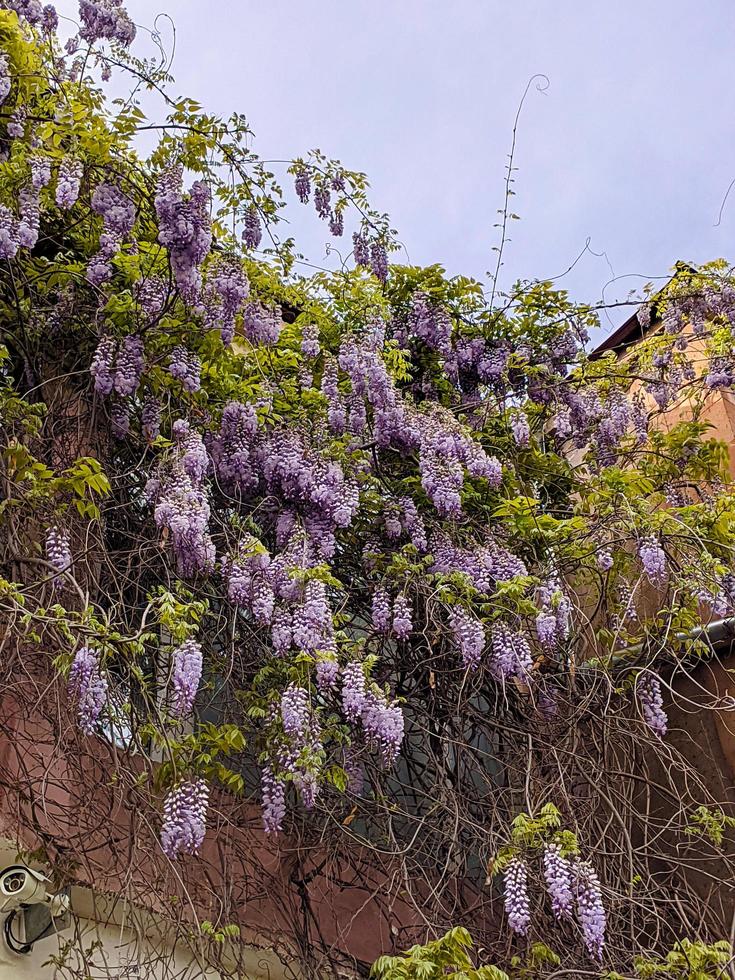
x: 558, y: 875
x: 252, y: 232
x: 187, y: 673
x: 383, y: 721
x: 302, y: 185
x: 128, y: 365
x: 185, y: 818
x: 68, y: 181
x: 89, y: 686
x: 648, y: 689
x: 468, y: 634
x: 9, y: 238
x: 295, y: 711
x: 511, y: 654
x: 381, y: 611
x: 590, y: 910
x: 273, y: 791
x: 5, y: 80
x: 402, y: 622
x: 353, y: 690
x: 654, y: 560
x: 516, y: 902
x: 58, y: 554
x: 520, y: 428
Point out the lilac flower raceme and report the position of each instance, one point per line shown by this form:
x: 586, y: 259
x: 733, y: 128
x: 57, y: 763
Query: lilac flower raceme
x: 520, y: 428
x: 650, y: 698
x: 252, y: 232
x: 653, y: 560
x: 225, y: 294
x: 302, y: 185
x: 605, y: 560
x: 327, y: 672
x: 383, y: 722
x: 273, y: 792
x: 5, y: 80
x: 381, y: 611
x: 105, y: 20
x: 185, y: 818
x: 379, y: 261
x: 361, y: 249
x: 68, y: 181
x: 151, y: 418
x: 58, y: 554
x: 184, y: 228
x: 516, y: 902
x: 353, y: 690
x: 186, y: 675
x: 29, y: 216
x: 295, y: 711
x: 310, y: 346
x: 469, y: 636
x: 558, y: 873
x: 101, y: 367
x: 9, y: 235
x: 402, y: 622
x: 40, y: 171
x: 511, y: 654
x: 89, y: 686
x: 590, y: 910
x: 186, y: 367
x: 129, y: 365
x: 120, y: 419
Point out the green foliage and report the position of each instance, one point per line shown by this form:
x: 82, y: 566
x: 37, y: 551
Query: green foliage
x: 442, y: 958
x: 688, y: 961
x: 710, y: 822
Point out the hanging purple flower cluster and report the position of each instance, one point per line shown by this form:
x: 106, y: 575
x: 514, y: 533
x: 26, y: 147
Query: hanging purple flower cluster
x: 553, y: 622
x: 224, y: 296
x: 58, y: 554
x: 382, y: 721
x: 510, y: 653
x: 559, y: 874
x: 648, y: 689
x: 68, y: 182
x: 515, y: 900
x: 89, y: 686
x: 185, y: 677
x: 430, y: 323
x: 185, y: 818
x: 5, y: 79
x: 118, y: 217
x: 184, y: 228
x: 105, y: 20
x: 654, y: 561
x: 262, y: 324
x: 273, y: 793
x: 181, y: 504
x: 590, y: 910
x: 468, y: 634
x: 252, y: 232
x: 248, y: 579
x: 186, y: 367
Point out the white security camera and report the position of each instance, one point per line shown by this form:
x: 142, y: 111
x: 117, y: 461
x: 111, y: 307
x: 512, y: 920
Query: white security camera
x: 21, y: 886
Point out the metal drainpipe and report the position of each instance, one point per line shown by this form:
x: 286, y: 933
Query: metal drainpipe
x: 719, y: 634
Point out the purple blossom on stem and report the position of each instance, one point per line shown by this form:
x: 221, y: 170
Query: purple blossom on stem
x: 89, y: 686
x: 187, y: 673
x: 353, y: 690
x: 9, y: 239
x: 185, y: 818
x: 58, y: 554
x: 402, y: 622
x: 469, y: 636
x: 381, y: 611
x: 101, y: 367
x: 129, y: 365
x: 68, y: 181
x: 558, y: 875
x: 654, y: 561
x: 648, y: 689
x: 295, y: 710
x: 590, y: 910
x: 273, y: 792
x: 517, y: 907
x: 5, y: 80
x: 383, y: 721
x: 252, y: 232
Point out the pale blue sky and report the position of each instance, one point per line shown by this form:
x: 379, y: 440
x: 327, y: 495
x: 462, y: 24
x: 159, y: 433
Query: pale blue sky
x: 631, y: 146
